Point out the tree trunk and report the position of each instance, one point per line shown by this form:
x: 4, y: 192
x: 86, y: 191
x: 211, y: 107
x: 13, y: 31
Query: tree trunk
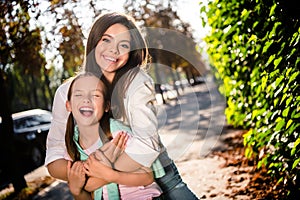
x: 10, y: 156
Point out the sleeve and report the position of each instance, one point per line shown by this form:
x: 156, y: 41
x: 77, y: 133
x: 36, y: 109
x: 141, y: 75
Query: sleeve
x: 55, y: 144
x: 145, y: 145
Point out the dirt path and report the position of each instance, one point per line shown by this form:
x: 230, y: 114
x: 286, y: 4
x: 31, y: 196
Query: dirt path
x: 209, y: 177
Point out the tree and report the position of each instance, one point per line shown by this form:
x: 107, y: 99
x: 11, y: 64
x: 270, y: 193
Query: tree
x: 170, y: 39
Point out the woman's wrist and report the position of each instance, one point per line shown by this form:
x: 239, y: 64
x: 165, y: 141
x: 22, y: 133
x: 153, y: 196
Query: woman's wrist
x: 114, y: 176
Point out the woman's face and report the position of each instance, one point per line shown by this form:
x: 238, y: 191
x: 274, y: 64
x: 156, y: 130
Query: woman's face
x: 87, y: 101
x: 112, y: 50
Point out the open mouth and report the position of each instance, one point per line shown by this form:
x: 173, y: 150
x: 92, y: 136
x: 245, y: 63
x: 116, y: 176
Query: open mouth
x: 85, y: 111
x: 111, y: 59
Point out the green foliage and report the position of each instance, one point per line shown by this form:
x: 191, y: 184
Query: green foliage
x: 254, y: 48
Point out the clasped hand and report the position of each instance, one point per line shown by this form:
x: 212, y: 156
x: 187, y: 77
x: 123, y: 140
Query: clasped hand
x: 100, y: 164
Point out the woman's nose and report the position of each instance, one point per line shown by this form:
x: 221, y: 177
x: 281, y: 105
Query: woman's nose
x: 114, y: 48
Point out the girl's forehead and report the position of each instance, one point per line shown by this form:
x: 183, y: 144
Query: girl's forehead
x: 88, y: 82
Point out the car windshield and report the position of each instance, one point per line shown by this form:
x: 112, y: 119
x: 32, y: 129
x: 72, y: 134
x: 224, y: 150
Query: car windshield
x: 32, y: 121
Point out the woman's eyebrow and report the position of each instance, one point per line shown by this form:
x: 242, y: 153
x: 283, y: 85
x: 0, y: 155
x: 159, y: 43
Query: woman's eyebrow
x: 110, y: 36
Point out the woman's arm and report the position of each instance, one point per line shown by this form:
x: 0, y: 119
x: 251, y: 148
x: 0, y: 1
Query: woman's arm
x: 58, y: 169
x: 84, y: 195
x: 141, y: 112
x: 133, y: 174
x: 100, y: 175
x: 56, y: 136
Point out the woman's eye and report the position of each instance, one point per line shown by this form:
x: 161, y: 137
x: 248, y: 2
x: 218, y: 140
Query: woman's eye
x: 106, y: 40
x: 125, y: 46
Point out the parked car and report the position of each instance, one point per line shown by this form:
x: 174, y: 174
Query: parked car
x: 30, y: 133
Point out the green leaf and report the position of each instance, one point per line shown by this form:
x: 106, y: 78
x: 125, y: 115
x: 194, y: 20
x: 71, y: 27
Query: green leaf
x: 279, y: 125
x: 286, y: 112
x: 271, y: 58
x: 277, y: 62
x: 296, y: 163
x: 279, y: 80
x: 289, y: 123
x: 272, y: 10
x: 293, y: 76
x: 264, y: 82
x: 266, y: 47
x: 295, y: 147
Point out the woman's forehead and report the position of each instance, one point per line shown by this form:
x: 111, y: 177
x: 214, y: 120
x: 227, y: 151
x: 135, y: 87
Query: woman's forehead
x: 118, y: 31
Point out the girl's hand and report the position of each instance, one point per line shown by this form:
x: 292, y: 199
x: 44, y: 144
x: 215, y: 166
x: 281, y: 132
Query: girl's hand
x: 94, y: 168
x: 120, y: 140
x: 110, y: 151
x: 76, y: 177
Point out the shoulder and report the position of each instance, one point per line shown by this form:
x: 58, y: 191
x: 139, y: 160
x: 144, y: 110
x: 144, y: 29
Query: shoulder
x: 143, y: 77
x: 141, y: 89
x: 63, y: 88
x: 141, y: 80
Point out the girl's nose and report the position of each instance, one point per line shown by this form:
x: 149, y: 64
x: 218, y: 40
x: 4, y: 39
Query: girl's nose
x: 86, y: 100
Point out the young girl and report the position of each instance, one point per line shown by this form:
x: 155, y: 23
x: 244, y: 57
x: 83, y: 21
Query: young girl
x: 87, y: 130
x: 117, y: 50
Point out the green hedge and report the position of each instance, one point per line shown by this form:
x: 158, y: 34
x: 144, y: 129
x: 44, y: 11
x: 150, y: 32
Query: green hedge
x: 254, y: 49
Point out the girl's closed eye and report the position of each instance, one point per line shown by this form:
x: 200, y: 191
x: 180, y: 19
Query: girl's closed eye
x: 97, y: 94
x: 77, y: 94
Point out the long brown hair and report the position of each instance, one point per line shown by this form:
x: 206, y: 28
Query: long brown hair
x: 104, y: 121
x: 138, y: 56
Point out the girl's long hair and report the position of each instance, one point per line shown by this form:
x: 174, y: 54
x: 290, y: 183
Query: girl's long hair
x: 104, y: 122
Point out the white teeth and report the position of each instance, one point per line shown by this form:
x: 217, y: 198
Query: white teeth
x: 111, y: 59
x: 86, y: 109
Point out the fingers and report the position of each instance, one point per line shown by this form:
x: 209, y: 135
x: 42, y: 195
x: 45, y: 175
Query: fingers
x: 121, y: 139
x: 77, y: 168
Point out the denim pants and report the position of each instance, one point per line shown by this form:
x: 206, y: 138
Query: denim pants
x: 171, y: 184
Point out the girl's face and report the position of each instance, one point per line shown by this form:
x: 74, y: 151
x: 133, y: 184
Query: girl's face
x: 112, y: 50
x: 87, y: 101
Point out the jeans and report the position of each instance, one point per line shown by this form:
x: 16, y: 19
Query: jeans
x: 171, y: 184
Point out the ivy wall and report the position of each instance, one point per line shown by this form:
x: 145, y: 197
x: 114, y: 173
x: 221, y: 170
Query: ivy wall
x: 254, y: 50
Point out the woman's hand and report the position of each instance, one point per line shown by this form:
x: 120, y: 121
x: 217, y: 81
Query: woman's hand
x: 76, y: 177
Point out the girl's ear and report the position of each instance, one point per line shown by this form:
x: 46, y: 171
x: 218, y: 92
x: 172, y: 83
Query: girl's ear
x: 107, y: 106
x: 68, y: 106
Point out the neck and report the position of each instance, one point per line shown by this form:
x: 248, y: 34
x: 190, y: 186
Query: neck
x: 109, y: 77
x: 88, y: 135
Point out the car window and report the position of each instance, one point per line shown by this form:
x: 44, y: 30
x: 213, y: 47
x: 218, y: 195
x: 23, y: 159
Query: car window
x: 31, y: 121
